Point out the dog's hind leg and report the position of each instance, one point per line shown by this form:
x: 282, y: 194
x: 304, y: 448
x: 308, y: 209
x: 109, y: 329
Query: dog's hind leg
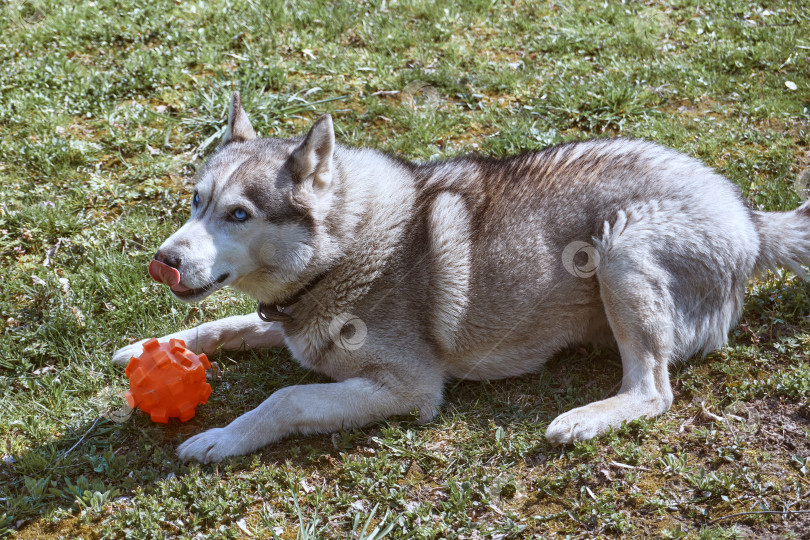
x: 639, y: 307
x: 230, y: 333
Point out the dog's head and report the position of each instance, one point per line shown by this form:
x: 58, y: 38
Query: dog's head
x: 257, y: 215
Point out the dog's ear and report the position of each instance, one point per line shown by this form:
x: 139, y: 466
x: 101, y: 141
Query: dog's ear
x: 313, y: 159
x: 239, y: 127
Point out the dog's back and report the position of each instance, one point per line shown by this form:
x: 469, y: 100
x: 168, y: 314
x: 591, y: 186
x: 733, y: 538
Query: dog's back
x: 512, y: 245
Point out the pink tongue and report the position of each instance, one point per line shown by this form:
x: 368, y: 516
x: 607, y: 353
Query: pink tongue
x: 163, y: 273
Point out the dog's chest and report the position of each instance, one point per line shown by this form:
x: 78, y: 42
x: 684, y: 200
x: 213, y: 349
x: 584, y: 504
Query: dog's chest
x: 316, y: 348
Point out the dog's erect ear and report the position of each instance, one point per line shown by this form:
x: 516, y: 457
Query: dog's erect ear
x: 239, y: 127
x: 313, y: 159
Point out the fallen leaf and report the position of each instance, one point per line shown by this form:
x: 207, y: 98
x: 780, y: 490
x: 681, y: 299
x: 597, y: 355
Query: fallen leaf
x: 360, y: 506
x: 242, y: 524
x: 44, y: 370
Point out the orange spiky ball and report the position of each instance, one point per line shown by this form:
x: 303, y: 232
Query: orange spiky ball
x: 167, y: 380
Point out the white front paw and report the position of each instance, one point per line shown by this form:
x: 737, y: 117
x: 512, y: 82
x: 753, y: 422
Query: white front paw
x: 211, y: 446
x: 576, y: 425
x: 121, y: 356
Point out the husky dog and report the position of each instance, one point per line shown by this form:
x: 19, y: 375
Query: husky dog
x: 392, y: 277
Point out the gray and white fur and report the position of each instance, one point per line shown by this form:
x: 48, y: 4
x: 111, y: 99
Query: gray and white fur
x: 393, y: 277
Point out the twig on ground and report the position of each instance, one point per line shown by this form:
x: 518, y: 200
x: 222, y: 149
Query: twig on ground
x: 710, y: 415
x: 81, y: 439
x: 626, y: 466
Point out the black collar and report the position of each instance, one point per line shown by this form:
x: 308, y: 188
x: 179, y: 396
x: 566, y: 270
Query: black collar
x: 272, y: 312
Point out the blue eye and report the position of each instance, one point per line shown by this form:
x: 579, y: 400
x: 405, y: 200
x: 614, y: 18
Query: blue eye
x: 239, y: 214
x: 195, y: 201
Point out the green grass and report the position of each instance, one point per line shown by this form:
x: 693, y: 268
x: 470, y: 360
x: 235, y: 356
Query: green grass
x: 107, y: 109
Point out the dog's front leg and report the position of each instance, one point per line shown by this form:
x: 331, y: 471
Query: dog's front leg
x: 230, y: 333
x: 313, y: 408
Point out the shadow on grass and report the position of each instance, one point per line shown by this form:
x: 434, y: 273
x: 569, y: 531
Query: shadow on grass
x: 98, y: 465
x: 101, y: 462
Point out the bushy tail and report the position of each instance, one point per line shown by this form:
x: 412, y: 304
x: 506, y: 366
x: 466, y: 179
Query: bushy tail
x: 784, y: 240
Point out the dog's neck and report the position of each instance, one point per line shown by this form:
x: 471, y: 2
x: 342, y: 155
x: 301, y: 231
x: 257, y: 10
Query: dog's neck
x: 273, y: 312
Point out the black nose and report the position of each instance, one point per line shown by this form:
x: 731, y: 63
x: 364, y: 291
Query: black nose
x: 169, y: 259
